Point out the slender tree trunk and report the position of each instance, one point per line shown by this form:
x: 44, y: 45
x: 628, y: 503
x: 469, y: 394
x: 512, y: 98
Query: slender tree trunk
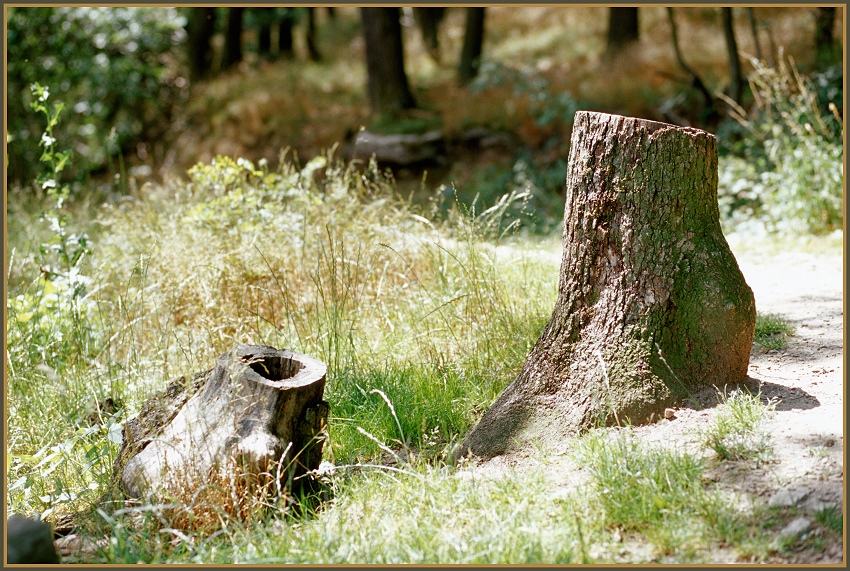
x: 697, y: 82
x: 233, y: 37
x: 284, y: 38
x: 473, y: 40
x: 200, y: 27
x: 736, y: 79
x: 623, y: 28
x: 387, y: 82
x: 312, y: 50
x: 651, y: 303
x: 264, y: 40
x: 824, y: 40
x: 429, y: 19
x: 751, y: 13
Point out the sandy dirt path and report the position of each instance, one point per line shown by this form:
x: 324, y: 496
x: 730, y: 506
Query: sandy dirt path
x: 805, y: 433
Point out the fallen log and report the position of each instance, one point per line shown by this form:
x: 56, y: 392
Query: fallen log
x: 400, y: 150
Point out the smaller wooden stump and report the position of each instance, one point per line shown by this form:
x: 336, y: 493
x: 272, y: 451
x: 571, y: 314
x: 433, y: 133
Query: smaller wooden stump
x: 260, y: 408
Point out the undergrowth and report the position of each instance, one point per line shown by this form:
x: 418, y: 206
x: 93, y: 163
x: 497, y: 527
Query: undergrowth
x: 322, y: 259
x: 787, y: 171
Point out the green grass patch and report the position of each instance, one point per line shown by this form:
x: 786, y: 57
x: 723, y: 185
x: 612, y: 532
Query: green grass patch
x: 735, y: 433
x: 641, y: 504
x: 831, y: 518
x: 772, y: 331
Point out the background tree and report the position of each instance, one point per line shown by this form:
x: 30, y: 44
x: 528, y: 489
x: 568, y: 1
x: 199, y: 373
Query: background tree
x: 312, y: 49
x: 387, y: 85
x: 699, y: 85
x: 118, y: 80
x: 751, y: 15
x: 473, y: 40
x: 824, y: 39
x: 265, y: 17
x: 651, y: 303
x: 284, y: 33
x: 233, y: 37
x: 429, y: 19
x: 736, y: 78
x: 200, y: 28
x: 623, y: 28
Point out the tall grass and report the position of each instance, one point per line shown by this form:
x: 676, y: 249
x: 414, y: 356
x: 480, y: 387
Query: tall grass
x: 323, y: 259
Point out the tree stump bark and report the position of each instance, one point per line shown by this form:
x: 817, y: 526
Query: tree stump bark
x: 260, y: 408
x: 651, y: 303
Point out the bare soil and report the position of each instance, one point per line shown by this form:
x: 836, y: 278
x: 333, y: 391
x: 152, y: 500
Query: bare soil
x: 804, y: 472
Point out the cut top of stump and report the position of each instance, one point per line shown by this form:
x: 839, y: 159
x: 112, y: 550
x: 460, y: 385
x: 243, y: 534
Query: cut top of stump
x: 280, y: 369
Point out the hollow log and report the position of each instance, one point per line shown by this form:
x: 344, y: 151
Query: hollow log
x: 259, y: 409
x: 651, y: 303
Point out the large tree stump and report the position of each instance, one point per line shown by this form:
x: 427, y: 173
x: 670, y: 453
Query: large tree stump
x: 651, y: 303
x: 260, y: 409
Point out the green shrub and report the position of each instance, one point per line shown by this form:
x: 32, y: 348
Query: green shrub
x: 788, y: 168
x: 114, y: 63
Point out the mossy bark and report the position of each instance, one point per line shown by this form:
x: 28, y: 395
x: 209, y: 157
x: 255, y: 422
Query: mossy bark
x: 651, y: 302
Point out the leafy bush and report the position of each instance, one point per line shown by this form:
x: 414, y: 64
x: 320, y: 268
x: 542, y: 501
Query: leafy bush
x: 788, y: 169
x: 546, y: 105
x: 114, y: 63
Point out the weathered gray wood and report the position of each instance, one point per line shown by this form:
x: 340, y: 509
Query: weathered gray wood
x: 651, y: 303
x: 259, y: 406
x: 400, y: 150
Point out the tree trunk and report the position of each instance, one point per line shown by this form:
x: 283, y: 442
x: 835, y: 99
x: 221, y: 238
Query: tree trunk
x: 473, y: 39
x: 824, y: 40
x: 284, y: 37
x: 387, y: 82
x: 233, y: 38
x: 312, y: 50
x: 260, y: 409
x: 200, y: 27
x: 429, y: 19
x: 264, y: 40
x: 736, y: 79
x: 751, y: 14
x: 651, y: 303
x: 710, y: 109
x: 623, y: 28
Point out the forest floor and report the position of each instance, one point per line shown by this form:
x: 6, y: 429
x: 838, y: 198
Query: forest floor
x: 805, y: 432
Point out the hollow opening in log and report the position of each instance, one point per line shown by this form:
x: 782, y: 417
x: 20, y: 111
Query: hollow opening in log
x: 276, y: 368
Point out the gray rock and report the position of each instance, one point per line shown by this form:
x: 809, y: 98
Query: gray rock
x: 788, y: 498
x: 797, y: 526
x: 29, y: 541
